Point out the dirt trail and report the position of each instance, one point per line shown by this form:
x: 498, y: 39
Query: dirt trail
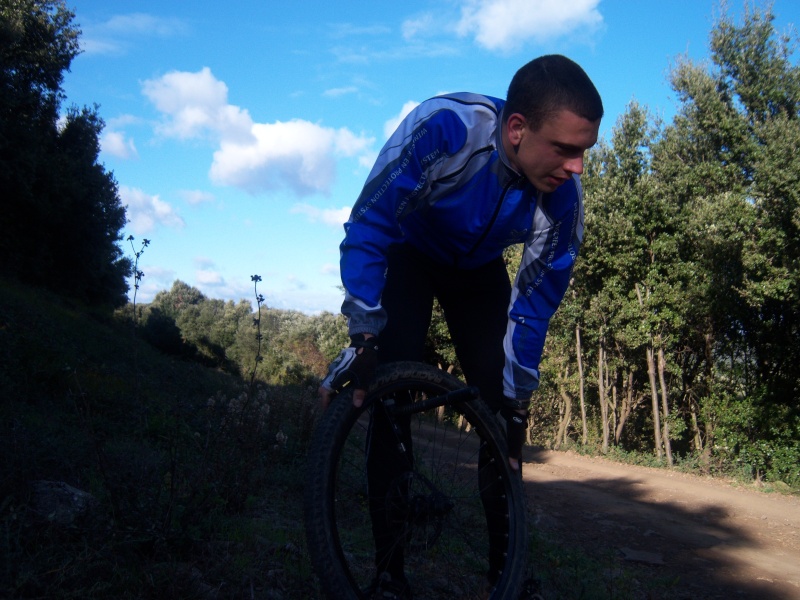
x: 717, y: 540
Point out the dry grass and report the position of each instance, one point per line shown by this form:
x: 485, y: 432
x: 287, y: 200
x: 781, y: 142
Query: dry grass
x: 197, y: 476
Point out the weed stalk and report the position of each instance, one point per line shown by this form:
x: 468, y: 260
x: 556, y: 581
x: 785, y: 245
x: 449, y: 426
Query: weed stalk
x: 257, y: 324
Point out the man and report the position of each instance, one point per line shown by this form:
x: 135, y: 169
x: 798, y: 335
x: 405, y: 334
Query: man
x: 463, y: 177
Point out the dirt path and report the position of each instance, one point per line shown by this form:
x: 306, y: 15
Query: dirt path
x: 716, y: 540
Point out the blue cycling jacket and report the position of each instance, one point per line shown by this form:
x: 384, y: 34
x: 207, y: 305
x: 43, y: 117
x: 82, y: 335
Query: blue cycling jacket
x: 443, y: 184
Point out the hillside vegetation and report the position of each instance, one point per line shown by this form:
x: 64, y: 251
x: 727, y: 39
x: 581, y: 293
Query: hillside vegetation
x: 190, y: 469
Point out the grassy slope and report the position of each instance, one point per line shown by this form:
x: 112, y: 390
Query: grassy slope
x: 194, y: 495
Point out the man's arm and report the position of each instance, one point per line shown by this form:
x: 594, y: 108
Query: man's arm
x: 397, y: 185
x: 542, y: 281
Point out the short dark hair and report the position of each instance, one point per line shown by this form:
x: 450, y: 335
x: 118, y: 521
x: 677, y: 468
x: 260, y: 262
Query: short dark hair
x: 549, y: 84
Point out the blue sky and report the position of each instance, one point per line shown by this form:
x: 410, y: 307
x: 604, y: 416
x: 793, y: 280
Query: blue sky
x: 240, y: 133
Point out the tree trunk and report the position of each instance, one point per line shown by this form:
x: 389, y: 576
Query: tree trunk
x: 614, y: 406
x: 664, y: 403
x: 601, y: 390
x: 626, y: 409
x: 579, y: 354
x: 630, y: 403
x: 651, y: 373
x: 704, y: 443
x: 697, y: 436
x: 566, y: 417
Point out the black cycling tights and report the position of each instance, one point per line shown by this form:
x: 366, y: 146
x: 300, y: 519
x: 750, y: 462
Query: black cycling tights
x: 475, y: 304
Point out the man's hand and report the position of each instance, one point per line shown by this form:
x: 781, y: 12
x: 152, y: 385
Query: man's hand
x: 516, y: 433
x: 355, y: 365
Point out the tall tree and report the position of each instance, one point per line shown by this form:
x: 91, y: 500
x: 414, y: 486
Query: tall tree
x: 627, y: 258
x: 85, y: 216
x: 730, y: 161
x: 687, y: 292
x: 61, y: 216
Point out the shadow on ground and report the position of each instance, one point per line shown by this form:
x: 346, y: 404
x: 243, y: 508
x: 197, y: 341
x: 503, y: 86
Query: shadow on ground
x: 613, y: 537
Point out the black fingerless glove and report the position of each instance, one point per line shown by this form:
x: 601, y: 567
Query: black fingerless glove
x: 516, y: 430
x: 355, y: 365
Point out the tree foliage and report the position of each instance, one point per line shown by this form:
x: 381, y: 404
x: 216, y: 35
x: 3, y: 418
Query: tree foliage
x: 687, y: 291
x: 296, y: 347
x: 61, y: 218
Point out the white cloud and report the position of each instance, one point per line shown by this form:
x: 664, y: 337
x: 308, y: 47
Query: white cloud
x: 145, y: 211
x: 196, y: 104
x: 412, y: 27
x: 196, y: 196
x: 208, y: 277
x: 391, y: 124
x: 342, y: 91
x: 367, y: 160
x: 295, y: 283
x: 334, y: 217
x: 348, y: 143
x: 255, y: 157
x: 349, y: 30
x: 122, y: 121
x: 144, y: 24
x: 329, y: 269
x: 117, y: 34
x: 506, y: 25
x: 296, y: 154
x: 155, y: 280
x: 203, y: 262
x: 91, y: 46
x: 116, y: 144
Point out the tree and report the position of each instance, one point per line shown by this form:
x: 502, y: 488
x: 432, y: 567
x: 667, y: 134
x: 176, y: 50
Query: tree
x: 627, y: 256
x: 730, y: 161
x: 86, y: 217
x: 686, y: 296
x: 61, y: 216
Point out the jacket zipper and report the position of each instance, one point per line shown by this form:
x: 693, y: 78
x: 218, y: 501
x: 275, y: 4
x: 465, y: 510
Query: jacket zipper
x: 511, y: 183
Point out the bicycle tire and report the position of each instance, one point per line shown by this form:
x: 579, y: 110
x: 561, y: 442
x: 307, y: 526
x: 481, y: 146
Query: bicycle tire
x: 447, y: 553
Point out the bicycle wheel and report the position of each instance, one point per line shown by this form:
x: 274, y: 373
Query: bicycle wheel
x: 435, y: 505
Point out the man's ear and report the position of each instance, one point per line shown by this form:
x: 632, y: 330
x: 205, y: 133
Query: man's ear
x: 516, y: 125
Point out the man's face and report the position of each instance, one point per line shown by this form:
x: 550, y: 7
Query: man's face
x: 549, y: 156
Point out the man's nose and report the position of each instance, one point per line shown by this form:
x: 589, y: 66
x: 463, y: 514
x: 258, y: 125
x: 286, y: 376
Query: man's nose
x: 574, y: 165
